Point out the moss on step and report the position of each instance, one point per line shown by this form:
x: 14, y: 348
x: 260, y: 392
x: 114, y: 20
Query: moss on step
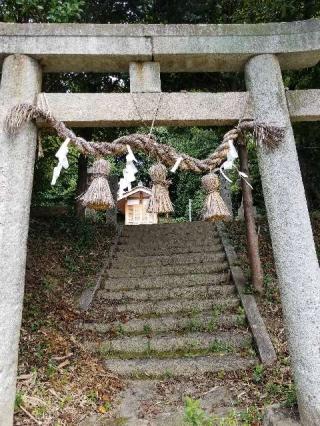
x: 216, y: 347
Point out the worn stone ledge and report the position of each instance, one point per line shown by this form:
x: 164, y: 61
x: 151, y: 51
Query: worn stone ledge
x: 178, y: 48
x: 86, y: 297
x: 176, y: 109
x: 261, y: 337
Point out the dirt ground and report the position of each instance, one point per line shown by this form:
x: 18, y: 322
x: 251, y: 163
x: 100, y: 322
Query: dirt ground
x: 59, y: 383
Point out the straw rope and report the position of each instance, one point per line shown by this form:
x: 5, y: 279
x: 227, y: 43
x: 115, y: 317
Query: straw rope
x: 268, y: 136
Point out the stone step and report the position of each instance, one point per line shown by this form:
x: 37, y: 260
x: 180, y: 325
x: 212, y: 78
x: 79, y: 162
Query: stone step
x: 175, y: 367
x: 170, y: 238
x: 175, y: 259
x: 153, y: 243
x: 136, y: 346
x: 169, y: 227
x: 150, y: 271
x: 197, y: 292
x: 167, y: 281
x: 204, y: 321
x: 198, y: 235
x: 123, y: 250
x: 173, y: 305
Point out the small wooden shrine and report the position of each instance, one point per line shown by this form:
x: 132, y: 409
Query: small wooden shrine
x: 133, y: 204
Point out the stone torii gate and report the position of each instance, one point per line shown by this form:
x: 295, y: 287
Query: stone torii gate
x: 28, y: 50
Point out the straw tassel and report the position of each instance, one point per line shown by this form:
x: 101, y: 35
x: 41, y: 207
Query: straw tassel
x: 214, y: 208
x: 98, y: 196
x: 160, y: 200
x: 268, y: 135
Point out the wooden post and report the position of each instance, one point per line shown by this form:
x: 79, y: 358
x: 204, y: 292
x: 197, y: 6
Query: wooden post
x: 252, y: 237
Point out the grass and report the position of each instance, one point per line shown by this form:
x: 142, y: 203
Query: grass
x: 221, y: 347
x: 194, y: 415
x: 63, y: 256
x: 147, y: 329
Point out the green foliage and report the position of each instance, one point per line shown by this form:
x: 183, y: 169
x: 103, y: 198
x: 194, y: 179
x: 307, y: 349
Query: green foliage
x: 197, y: 142
x: 63, y: 192
x: 258, y: 373
x: 291, y: 396
x: 250, y: 416
x: 282, y: 391
x: 195, y: 415
x: 18, y: 400
x: 41, y: 10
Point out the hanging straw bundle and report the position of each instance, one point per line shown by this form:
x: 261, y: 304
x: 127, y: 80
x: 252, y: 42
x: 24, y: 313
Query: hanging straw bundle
x: 160, y: 200
x: 214, y: 208
x: 98, y: 196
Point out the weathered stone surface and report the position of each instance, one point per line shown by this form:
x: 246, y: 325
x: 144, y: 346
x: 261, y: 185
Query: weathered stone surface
x: 175, y: 259
x: 178, y: 48
x: 292, y: 241
x: 303, y: 105
x: 167, y: 323
x: 179, y: 367
x: 158, y: 326
x: 21, y: 81
x: 144, y: 77
x: 168, y: 270
x: 162, y: 282
x: 276, y: 415
x: 174, y: 305
x: 198, y: 291
x: 87, y: 295
x: 173, y: 342
x: 173, y: 242
x: 159, y: 251
x: 262, y: 339
x: 175, y: 109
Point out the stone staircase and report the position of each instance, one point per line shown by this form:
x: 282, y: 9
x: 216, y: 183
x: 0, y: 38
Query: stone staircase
x: 168, y: 306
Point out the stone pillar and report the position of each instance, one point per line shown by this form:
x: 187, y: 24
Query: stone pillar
x: 21, y: 81
x: 291, y: 233
x: 144, y: 77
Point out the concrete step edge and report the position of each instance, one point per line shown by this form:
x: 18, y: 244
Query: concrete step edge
x: 176, y: 270
x: 202, y: 291
x: 173, y: 306
x: 186, y: 367
x: 199, y: 258
x: 198, y: 278
x: 172, y: 343
x: 164, y: 282
x: 123, y: 252
x: 205, y: 322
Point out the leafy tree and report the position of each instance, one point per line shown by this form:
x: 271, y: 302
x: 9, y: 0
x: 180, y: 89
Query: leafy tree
x: 41, y: 11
